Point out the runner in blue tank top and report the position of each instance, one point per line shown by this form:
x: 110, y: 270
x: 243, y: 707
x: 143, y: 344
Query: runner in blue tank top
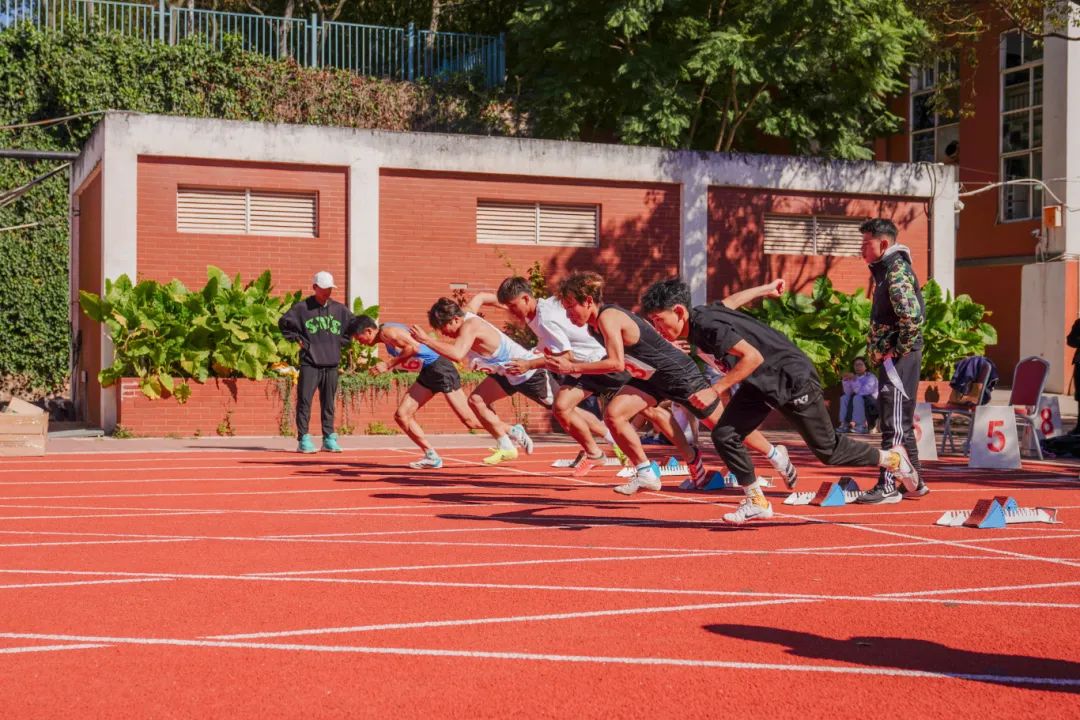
x: 436, y: 375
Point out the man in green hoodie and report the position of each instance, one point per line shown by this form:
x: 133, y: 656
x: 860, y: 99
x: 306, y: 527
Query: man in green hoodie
x: 322, y: 327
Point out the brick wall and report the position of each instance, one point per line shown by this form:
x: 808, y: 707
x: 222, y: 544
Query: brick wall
x: 164, y: 254
x: 736, y: 243
x: 255, y: 407
x: 89, y: 279
x: 427, y: 231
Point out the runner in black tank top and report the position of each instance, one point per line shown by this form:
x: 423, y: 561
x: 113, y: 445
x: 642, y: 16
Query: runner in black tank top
x: 657, y: 367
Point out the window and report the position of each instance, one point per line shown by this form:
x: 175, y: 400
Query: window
x: 812, y: 235
x: 246, y: 212
x: 935, y: 113
x: 1021, y: 125
x: 511, y: 223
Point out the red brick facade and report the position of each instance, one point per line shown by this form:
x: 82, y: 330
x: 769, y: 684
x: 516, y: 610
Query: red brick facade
x: 89, y: 279
x: 736, y: 244
x: 164, y: 253
x: 254, y: 407
x: 427, y: 237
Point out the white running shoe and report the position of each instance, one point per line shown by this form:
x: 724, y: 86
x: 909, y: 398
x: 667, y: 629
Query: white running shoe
x: 749, y: 510
x: 781, y: 462
x: 519, y: 436
x: 902, y: 469
x: 647, y: 480
x: 428, y: 462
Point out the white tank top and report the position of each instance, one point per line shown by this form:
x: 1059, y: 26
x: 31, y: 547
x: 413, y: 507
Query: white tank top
x: 507, y: 351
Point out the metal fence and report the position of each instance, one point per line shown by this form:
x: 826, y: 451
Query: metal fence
x: 399, y: 53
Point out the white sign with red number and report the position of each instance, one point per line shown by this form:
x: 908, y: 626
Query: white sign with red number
x: 1048, y: 419
x: 412, y: 364
x: 638, y: 369
x: 923, y: 427
x: 994, y: 441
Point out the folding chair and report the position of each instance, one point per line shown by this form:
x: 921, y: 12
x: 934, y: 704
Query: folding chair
x: 1029, y: 380
x: 948, y: 411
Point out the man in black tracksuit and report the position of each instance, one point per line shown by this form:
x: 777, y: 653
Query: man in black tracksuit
x: 771, y: 373
x: 895, y: 344
x: 323, y: 327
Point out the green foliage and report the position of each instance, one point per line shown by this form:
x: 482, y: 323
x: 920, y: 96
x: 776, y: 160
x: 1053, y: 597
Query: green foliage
x: 361, y: 358
x: 707, y: 75
x: 831, y: 327
x: 50, y: 74
x: 954, y: 330
x: 378, y: 427
x: 161, y: 332
x: 523, y: 334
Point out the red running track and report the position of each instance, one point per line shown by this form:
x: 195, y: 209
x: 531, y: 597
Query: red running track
x: 264, y: 584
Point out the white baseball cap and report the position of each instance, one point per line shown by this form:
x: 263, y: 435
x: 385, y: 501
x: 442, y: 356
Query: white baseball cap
x: 324, y: 280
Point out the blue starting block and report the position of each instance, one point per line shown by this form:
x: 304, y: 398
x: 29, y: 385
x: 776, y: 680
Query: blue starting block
x: 721, y: 481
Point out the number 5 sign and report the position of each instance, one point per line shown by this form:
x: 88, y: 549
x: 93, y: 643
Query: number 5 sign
x: 923, y: 427
x: 994, y: 442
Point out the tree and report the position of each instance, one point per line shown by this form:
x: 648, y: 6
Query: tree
x: 716, y: 74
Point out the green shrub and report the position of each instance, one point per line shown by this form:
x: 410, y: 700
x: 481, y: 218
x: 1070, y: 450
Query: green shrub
x: 831, y: 327
x: 161, y: 332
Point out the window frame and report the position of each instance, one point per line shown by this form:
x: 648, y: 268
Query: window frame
x: 919, y: 87
x: 1034, y: 193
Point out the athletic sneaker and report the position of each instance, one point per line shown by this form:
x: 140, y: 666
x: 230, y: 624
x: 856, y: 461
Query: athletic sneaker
x: 330, y: 443
x: 698, y: 477
x: 899, y: 464
x: 584, y: 466
x: 498, y: 455
x: 781, y: 462
x: 880, y: 494
x: 642, y: 481
x: 306, y: 445
x: 918, y: 493
x: 519, y: 436
x: 749, y: 510
x: 430, y: 461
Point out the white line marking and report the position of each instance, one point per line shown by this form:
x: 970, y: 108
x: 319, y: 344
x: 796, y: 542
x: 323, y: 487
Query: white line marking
x: 999, y: 588
x: 49, y: 648
x: 497, y: 620
x: 477, y: 654
x: 83, y: 582
x: 93, y: 542
x: 365, y: 488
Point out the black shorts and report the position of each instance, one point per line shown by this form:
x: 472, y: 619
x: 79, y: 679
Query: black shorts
x: 678, y: 392
x: 440, y: 376
x: 540, y: 387
x: 603, y: 386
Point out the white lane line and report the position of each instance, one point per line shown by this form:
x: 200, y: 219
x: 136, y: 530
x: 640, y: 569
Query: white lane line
x: 501, y: 563
x: 998, y: 588
x: 49, y: 648
x: 93, y: 542
x: 543, y: 657
x: 910, y: 512
x: 510, y: 619
x: 153, y: 468
x: 366, y: 488
x: 816, y: 520
x: 23, y: 586
x: 930, y: 541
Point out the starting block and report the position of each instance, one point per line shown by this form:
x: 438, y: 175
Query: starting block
x: 997, y: 513
x: 672, y: 468
x: 830, y: 494
x: 719, y: 481
x: 566, y: 463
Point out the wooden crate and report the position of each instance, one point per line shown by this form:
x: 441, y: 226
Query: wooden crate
x: 23, y: 430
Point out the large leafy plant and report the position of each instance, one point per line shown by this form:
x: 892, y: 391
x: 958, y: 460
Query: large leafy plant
x: 163, y: 332
x: 361, y: 358
x: 831, y: 326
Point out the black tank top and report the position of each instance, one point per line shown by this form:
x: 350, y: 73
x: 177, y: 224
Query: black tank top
x: 651, y: 357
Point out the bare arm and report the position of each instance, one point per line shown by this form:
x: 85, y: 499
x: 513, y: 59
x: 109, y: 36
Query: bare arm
x: 611, y: 326
x: 456, y: 350
x: 481, y: 299
x: 404, y: 342
x: 743, y: 297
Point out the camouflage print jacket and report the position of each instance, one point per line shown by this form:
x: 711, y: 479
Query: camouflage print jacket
x: 898, y: 310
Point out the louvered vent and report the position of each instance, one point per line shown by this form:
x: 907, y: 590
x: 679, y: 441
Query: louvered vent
x: 537, y: 224
x: 812, y: 235
x: 246, y: 212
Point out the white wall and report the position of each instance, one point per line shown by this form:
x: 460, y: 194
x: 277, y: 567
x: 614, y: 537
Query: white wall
x: 1042, y: 319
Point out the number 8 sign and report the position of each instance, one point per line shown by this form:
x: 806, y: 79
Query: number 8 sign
x: 994, y: 440
x: 1048, y: 419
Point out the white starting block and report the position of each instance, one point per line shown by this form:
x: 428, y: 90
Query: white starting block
x: 567, y: 463
x: 997, y: 513
x: 672, y: 468
x: 830, y: 494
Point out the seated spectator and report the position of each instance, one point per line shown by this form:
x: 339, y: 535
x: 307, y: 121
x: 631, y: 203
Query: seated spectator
x: 858, y: 404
